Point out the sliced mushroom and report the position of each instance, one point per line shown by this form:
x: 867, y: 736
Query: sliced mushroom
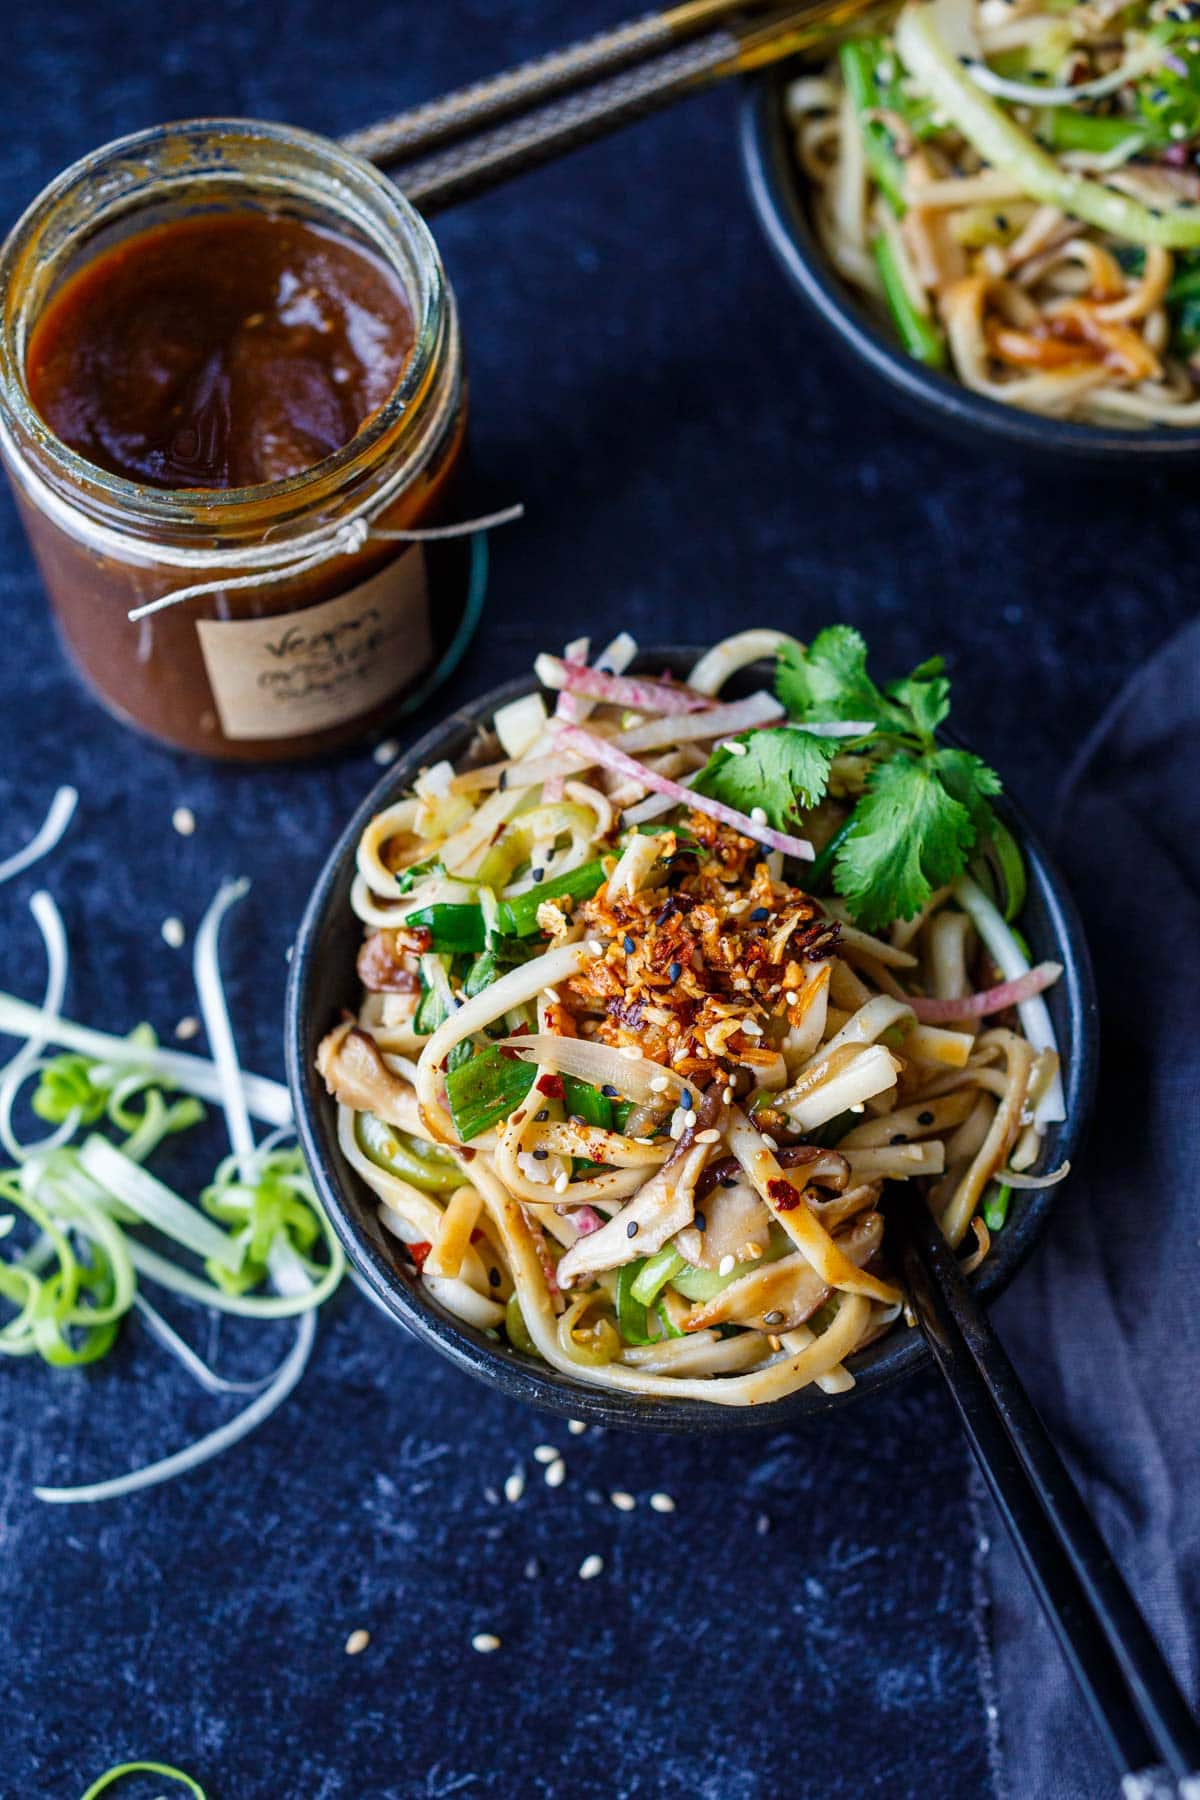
x: 781, y: 1295
x: 384, y: 961
x: 660, y: 1208
x: 834, y: 1213
x: 352, y: 1067
x: 733, y: 1217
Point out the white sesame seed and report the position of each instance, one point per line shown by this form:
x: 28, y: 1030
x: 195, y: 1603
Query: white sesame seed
x: 187, y: 1028
x: 726, y: 1265
x: 662, y: 1503
x: 184, y: 820
x: 710, y: 1136
x: 736, y: 749
x: 727, y: 1096
x: 769, y: 1141
x: 643, y: 1140
x: 596, y: 947
x: 562, y: 1183
x: 550, y: 994
x: 792, y: 997
x: 545, y: 1453
x: 622, y: 1501
x: 660, y: 1084
x: 491, y: 1496
x: 485, y: 1642
x: 752, y: 1028
x: 590, y: 1567
x: 386, y: 753
x: 858, y: 1107
x: 762, y: 1525
x: 357, y: 1642
x: 576, y: 1427
x: 532, y: 1569
x: 514, y: 1486
x: 556, y: 1473
x: 630, y: 1052
x: 173, y: 932
x: 758, y: 815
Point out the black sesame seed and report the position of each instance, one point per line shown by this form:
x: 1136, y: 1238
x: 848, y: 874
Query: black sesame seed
x: 729, y: 1181
x: 925, y: 1118
x: 897, y: 1137
x: 773, y: 1318
x: 675, y: 971
x: 1002, y: 221
x: 686, y: 1101
x: 539, y: 1118
x: 700, y: 1222
x: 631, y: 1230
x: 630, y: 946
x: 503, y: 779
x: 540, y: 1155
x: 609, y: 1092
x: 538, y: 874
x: 761, y: 912
x: 602, y: 668
x: 494, y: 1277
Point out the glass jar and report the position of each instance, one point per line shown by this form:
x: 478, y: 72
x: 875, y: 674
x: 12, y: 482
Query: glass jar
x: 309, y: 627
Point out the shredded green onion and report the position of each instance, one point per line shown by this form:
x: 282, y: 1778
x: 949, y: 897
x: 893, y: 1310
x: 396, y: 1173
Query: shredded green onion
x: 105, y: 1781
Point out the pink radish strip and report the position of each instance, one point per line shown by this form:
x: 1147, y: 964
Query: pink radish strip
x: 619, y: 690
x: 722, y: 722
x: 598, y: 750
x: 990, y: 1000
x: 586, y: 1219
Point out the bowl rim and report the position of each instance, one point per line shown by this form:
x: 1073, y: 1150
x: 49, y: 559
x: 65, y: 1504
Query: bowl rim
x: 401, y: 1296
x: 776, y: 192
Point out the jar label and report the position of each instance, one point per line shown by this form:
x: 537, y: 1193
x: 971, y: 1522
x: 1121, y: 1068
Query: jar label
x: 305, y: 671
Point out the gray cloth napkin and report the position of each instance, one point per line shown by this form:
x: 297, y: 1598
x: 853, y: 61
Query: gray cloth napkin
x: 1104, y: 1325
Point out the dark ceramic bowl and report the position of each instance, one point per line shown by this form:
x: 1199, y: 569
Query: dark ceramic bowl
x: 777, y: 188
x: 323, y: 983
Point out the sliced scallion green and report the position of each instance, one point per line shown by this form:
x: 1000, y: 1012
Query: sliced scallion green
x: 486, y: 1089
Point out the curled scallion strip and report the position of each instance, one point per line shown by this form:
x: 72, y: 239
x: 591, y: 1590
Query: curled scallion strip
x: 103, y: 1782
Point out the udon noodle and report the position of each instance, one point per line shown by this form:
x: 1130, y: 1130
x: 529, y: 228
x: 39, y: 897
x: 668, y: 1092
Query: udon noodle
x: 626, y: 1094
x: 1014, y: 184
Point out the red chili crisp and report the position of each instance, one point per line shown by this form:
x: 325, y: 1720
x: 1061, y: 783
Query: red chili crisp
x: 783, y: 1194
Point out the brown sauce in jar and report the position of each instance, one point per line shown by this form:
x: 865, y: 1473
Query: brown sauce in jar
x: 219, y: 351
x: 231, y: 350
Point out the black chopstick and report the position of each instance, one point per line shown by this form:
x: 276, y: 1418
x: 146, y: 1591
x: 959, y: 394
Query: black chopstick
x: 1133, y: 1697
x: 472, y: 109
x: 533, y: 129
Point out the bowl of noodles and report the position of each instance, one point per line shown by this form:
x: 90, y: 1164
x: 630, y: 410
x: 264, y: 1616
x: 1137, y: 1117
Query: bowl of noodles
x: 995, y: 204
x: 603, y: 1044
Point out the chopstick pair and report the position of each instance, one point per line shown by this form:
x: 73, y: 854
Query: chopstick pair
x: 450, y: 149
x: 1142, y: 1716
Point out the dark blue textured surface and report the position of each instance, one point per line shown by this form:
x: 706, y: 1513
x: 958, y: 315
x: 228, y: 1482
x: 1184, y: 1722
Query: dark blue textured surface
x: 692, y: 458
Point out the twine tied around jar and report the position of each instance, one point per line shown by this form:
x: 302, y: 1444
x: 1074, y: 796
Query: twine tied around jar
x: 346, y: 539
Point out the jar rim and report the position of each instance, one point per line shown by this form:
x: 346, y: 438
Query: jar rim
x: 358, y: 191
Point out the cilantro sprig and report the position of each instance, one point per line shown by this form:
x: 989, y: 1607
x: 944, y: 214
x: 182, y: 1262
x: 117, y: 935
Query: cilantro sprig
x: 925, y: 807
x: 779, y: 771
x: 1168, y: 99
